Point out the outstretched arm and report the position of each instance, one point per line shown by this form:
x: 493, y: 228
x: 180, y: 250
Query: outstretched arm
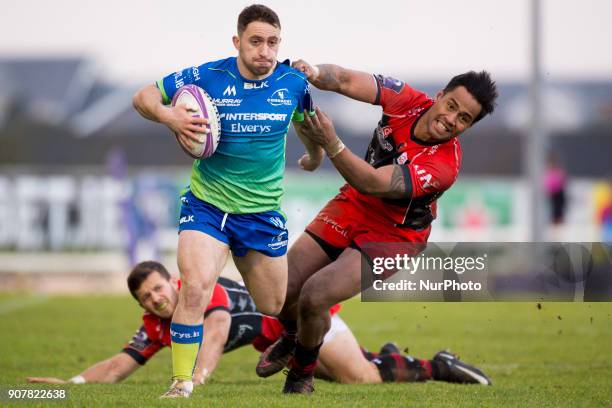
x: 354, y: 84
x: 387, y: 181
x: 111, y: 370
x: 217, y: 325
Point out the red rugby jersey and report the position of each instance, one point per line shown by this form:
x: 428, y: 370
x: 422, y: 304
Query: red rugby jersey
x: 430, y: 168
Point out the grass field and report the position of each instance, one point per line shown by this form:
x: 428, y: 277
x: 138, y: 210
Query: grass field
x: 559, y: 355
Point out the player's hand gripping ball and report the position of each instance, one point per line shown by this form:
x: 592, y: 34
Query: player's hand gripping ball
x: 201, y: 105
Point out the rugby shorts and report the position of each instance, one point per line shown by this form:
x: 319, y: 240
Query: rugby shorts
x: 264, y: 232
x: 345, y: 222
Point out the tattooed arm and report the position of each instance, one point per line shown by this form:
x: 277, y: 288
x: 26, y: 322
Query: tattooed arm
x: 385, y: 182
x: 354, y: 84
x: 391, y: 181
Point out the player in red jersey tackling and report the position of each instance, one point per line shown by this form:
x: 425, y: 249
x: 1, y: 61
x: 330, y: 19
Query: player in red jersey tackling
x: 390, y: 197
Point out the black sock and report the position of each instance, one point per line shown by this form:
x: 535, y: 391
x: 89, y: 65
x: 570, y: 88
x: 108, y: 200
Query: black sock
x: 290, y: 329
x: 398, y: 368
x: 289, y: 325
x: 368, y: 354
x: 305, y: 358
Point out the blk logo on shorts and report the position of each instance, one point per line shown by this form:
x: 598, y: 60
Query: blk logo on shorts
x: 186, y: 218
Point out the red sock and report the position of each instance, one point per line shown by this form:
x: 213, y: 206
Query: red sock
x: 395, y: 367
x: 427, y: 365
x: 304, y: 360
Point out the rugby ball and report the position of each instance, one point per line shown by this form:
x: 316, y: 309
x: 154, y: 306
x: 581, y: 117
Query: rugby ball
x: 201, y: 105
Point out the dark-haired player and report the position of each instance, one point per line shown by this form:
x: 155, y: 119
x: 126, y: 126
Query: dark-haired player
x: 233, y: 201
x: 390, y: 197
x: 232, y: 322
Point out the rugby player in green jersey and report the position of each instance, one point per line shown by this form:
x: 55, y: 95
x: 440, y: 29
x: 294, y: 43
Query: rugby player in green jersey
x: 233, y: 201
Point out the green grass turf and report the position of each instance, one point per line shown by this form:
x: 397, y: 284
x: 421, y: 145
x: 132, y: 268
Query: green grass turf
x: 559, y: 355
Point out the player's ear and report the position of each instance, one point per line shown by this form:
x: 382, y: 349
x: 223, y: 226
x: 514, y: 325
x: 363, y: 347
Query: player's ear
x: 174, y: 282
x: 439, y: 95
x: 236, y: 41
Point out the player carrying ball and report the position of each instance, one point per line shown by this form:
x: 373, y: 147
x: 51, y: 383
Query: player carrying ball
x: 233, y: 201
x: 390, y: 197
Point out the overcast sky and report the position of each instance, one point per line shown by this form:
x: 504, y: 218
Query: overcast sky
x: 139, y: 40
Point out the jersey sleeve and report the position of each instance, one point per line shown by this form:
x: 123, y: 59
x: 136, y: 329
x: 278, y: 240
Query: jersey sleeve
x: 169, y: 84
x: 141, y: 348
x: 433, y: 171
x: 218, y: 301
x: 305, y: 102
x: 393, y: 95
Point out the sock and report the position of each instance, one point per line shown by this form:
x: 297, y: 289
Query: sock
x: 398, y: 368
x: 186, y: 342
x: 290, y: 329
x: 369, y: 355
x: 428, y: 368
x: 304, y: 360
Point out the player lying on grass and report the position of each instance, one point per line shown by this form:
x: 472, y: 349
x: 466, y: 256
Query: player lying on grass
x: 390, y: 197
x: 233, y: 322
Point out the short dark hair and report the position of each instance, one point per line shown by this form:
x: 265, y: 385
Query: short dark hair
x: 482, y: 88
x: 257, y: 12
x: 142, y: 271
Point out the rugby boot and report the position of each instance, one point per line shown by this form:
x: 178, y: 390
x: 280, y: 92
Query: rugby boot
x: 275, y: 357
x: 448, y: 367
x: 300, y: 380
x: 179, y: 389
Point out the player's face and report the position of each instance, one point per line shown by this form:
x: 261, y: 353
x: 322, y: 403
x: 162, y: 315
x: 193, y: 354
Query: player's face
x: 451, y: 114
x: 257, y: 49
x: 158, y: 295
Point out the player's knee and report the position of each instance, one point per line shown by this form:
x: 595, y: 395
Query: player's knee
x: 271, y: 305
x: 312, y: 301
x: 271, y: 310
